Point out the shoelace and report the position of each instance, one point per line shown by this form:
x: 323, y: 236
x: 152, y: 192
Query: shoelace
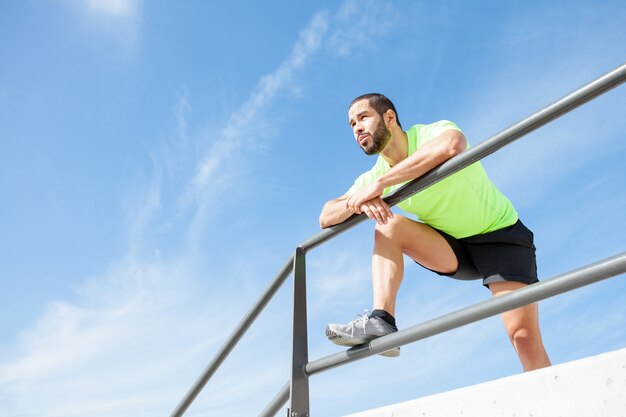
x: 360, y: 318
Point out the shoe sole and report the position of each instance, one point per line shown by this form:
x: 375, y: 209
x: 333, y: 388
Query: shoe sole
x: 391, y: 353
x: 342, y: 340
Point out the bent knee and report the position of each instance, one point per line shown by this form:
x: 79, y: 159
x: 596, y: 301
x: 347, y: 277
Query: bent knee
x: 393, y: 225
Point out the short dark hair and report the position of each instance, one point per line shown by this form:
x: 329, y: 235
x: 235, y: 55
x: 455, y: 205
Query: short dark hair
x: 379, y: 103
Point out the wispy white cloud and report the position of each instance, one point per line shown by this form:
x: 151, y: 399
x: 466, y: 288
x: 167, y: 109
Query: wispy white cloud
x: 246, y: 130
x: 340, y: 33
x: 249, y: 118
x: 115, y: 8
x: 107, y: 9
x: 358, y: 24
x: 77, y: 357
x: 144, y: 217
x: 117, y: 19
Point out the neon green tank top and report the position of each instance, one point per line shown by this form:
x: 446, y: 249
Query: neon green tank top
x: 464, y: 204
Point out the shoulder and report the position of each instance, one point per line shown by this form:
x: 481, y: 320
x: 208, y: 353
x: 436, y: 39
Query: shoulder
x: 436, y: 128
x: 421, y: 133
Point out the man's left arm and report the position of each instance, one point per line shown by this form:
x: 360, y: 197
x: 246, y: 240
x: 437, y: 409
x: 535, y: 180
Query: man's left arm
x: 433, y: 153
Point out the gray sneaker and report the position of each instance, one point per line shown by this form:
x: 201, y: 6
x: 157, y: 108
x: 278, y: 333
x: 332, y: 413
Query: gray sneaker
x: 361, y: 330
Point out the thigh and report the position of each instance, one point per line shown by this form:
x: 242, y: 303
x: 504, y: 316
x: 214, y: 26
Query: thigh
x: 466, y: 270
x: 420, y: 242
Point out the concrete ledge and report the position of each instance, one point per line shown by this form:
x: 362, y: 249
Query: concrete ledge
x: 590, y: 387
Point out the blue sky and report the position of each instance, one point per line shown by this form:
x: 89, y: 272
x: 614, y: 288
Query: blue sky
x: 160, y: 161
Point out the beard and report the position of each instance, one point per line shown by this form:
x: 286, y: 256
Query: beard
x: 380, y: 139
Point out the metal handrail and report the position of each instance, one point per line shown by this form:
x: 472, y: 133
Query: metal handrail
x: 584, y: 94
x: 234, y: 338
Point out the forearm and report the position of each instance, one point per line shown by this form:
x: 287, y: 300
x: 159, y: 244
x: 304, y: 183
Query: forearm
x: 429, y: 156
x: 334, y: 212
x: 413, y: 167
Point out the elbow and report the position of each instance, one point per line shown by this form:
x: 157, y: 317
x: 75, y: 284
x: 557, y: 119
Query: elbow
x: 457, y: 144
x: 327, y: 220
x: 323, y: 222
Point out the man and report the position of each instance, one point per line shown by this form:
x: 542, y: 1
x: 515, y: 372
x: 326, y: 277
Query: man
x: 467, y: 228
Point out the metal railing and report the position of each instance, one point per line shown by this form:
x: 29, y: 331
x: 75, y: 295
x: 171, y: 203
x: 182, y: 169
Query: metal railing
x: 297, y: 389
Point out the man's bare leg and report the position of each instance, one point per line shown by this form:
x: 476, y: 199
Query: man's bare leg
x: 397, y: 237
x: 404, y: 236
x: 423, y: 244
x: 522, y: 327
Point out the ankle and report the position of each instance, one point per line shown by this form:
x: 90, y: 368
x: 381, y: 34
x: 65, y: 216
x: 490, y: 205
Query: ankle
x: 382, y: 314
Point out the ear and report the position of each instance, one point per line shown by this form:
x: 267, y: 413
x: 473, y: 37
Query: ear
x: 390, y: 118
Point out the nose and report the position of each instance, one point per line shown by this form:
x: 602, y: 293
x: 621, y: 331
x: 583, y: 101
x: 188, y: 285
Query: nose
x: 358, y: 129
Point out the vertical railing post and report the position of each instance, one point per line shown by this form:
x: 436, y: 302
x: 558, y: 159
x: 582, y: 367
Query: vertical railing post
x: 299, y: 389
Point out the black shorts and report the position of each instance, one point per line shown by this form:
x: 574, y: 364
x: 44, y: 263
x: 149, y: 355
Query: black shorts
x: 507, y: 254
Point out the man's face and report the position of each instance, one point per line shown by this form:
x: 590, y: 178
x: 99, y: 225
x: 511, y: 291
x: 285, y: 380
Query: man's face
x: 368, y: 127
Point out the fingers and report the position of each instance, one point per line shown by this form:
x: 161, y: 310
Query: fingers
x: 377, y: 210
x: 354, y: 204
x: 354, y: 201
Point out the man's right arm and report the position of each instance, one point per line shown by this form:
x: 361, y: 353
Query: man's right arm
x: 336, y: 211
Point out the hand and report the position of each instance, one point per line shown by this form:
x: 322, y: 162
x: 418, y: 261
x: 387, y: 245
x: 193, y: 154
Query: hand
x: 377, y: 210
x: 371, y: 191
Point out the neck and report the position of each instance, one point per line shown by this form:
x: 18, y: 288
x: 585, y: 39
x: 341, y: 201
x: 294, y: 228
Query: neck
x: 397, y: 149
